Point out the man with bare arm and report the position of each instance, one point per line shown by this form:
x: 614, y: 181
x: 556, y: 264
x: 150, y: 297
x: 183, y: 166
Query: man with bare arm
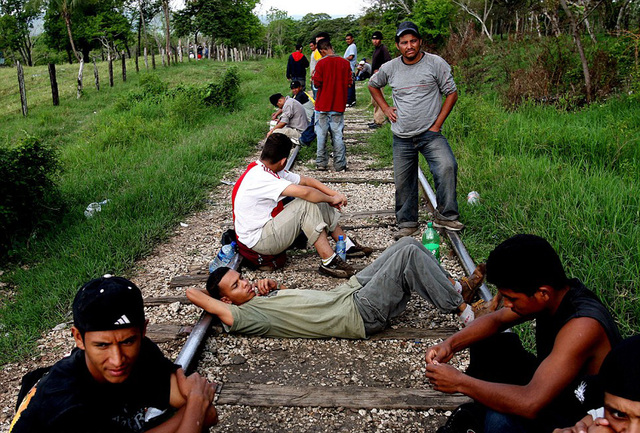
x: 513, y: 390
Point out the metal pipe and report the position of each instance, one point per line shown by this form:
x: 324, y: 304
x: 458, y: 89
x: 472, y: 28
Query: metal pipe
x: 454, y: 238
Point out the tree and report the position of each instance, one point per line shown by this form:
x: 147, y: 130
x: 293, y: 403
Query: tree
x: 481, y: 17
x: 434, y: 17
x: 230, y: 22
x: 16, y: 23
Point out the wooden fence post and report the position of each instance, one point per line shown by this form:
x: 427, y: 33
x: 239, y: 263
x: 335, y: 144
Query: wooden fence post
x: 110, y: 63
x: 80, y: 71
x: 146, y: 59
x: 153, y: 58
x: 23, y: 90
x: 124, y: 67
x: 162, y: 54
x: 137, y: 67
x: 180, y: 49
x: 95, y: 74
x: 54, y: 84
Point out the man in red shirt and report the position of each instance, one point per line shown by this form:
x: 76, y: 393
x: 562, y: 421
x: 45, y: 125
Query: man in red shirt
x: 332, y: 77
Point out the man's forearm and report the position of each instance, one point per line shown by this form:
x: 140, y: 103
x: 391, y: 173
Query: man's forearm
x: 315, y: 183
x: 377, y: 96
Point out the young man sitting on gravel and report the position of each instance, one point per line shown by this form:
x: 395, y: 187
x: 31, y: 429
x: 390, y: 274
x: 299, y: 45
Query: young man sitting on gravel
x: 114, y: 374
x: 619, y: 378
x: 272, y: 206
x: 361, y: 307
x: 513, y: 390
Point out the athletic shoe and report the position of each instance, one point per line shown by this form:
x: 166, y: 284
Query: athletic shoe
x: 407, y: 231
x: 337, y: 268
x: 321, y: 168
x: 357, y: 250
x: 453, y: 225
x: 374, y: 125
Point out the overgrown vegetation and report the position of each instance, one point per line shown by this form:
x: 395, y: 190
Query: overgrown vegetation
x: 154, y: 158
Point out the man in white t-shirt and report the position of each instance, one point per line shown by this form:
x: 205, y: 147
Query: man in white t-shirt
x: 351, y: 54
x: 271, y: 206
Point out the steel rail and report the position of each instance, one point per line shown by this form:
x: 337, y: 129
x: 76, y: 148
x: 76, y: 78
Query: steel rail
x: 454, y: 238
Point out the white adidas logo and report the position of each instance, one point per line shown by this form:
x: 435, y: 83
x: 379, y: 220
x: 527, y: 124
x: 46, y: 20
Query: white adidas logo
x: 123, y: 320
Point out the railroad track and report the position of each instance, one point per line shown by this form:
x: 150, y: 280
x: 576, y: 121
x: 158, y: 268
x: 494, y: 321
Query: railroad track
x: 327, y: 385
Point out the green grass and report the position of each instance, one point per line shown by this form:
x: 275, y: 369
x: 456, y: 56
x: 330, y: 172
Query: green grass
x: 155, y: 161
x: 571, y: 177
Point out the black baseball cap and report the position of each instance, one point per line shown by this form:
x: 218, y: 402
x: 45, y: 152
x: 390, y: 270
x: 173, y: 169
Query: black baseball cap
x: 377, y: 35
x: 295, y: 84
x: 108, y: 303
x: 620, y: 371
x: 407, y: 27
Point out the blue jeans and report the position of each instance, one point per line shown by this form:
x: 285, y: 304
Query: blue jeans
x: 309, y: 134
x: 404, y: 267
x: 330, y: 122
x: 496, y: 422
x: 444, y: 168
x: 351, y: 91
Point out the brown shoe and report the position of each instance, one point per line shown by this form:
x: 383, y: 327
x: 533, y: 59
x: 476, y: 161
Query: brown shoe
x: 358, y: 250
x: 337, y: 268
x: 471, y: 284
x: 406, y: 231
x: 482, y: 308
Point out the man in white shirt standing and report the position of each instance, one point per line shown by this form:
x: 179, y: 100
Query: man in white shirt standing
x: 272, y: 206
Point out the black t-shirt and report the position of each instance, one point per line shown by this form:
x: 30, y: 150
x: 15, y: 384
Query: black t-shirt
x: 301, y: 97
x: 68, y: 400
x: 583, y: 393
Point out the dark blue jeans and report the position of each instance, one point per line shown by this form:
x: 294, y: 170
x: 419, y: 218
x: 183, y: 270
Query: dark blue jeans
x: 309, y: 134
x: 443, y: 166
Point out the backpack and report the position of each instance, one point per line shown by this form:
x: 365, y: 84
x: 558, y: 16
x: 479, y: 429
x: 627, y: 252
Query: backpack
x: 251, y: 258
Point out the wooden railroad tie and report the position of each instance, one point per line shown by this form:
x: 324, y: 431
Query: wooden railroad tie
x: 354, y: 397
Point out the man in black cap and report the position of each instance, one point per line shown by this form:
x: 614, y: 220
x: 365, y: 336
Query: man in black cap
x: 419, y: 81
x: 380, y: 57
x: 620, y: 380
x: 515, y: 391
x: 114, y: 374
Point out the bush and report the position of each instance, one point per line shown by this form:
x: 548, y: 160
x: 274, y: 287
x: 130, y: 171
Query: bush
x: 28, y: 191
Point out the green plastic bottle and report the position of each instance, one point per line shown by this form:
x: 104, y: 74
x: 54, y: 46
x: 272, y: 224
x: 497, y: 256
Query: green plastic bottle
x: 431, y: 240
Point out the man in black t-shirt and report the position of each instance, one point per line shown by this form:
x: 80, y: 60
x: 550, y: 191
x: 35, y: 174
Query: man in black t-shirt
x: 114, y: 374
x: 513, y: 390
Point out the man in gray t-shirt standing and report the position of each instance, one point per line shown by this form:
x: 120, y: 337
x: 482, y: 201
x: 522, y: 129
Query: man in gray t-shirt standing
x: 419, y: 81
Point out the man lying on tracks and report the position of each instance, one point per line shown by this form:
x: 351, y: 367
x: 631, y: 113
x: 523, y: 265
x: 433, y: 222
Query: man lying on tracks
x: 357, y: 309
x: 114, y: 374
x: 272, y: 206
x: 619, y: 377
x: 513, y: 390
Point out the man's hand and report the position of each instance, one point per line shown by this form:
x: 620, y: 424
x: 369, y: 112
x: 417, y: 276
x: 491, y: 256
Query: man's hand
x: 390, y: 112
x: 265, y: 286
x: 195, y: 387
x: 587, y: 425
x: 443, y: 377
x: 338, y: 200
x: 435, y: 129
x: 274, y: 116
x: 269, y: 133
x: 440, y: 353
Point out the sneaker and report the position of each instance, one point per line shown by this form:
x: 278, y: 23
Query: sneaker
x: 453, y: 225
x: 341, y: 169
x: 374, y: 125
x: 337, y: 268
x: 321, y: 168
x: 407, y: 231
x: 471, y: 284
x: 295, y: 141
x: 357, y: 250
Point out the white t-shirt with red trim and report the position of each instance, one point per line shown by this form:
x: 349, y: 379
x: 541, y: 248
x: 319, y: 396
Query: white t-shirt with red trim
x: 256, y: 196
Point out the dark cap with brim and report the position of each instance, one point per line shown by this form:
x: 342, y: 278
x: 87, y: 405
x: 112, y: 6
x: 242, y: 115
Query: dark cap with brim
x: 620, y: 372
x: 407, y: 27
x: 377, y: 35
x: 295, y: 84
x: 108, y: 303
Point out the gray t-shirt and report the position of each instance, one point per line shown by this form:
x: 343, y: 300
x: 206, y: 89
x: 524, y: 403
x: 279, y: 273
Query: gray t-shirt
x: 352, y: 50
x: 294, y: 115
x: 417, y: 91
x: 295, y: 313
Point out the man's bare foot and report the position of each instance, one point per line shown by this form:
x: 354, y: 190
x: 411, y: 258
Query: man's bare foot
x: 471, y: 283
